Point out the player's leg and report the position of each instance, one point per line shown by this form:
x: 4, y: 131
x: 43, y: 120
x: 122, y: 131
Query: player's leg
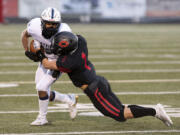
x: 43, y: 98
x: 102, y: 98
x: 133, y: 110
x: 70, y: 99
x: 136, y: 111
x: 43, y: 80
x: 107, y: 103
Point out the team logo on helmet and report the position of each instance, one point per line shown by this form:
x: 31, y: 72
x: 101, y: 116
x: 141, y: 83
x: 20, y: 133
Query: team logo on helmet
x: 63, y: 43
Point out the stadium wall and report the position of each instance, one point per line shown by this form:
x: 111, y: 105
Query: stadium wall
x: 117, y: 11
x: 1, y: 11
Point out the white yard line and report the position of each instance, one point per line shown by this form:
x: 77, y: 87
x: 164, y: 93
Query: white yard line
x: 102, y: 63
x: 18, y: 64
x: 137, y: 70
x: 136, y: 55
x: 87, y: 109
x: 117, y: 93
x: 111, y: 81
x: 6, y: 85
x: 135, y: 62
x: 132, y: 50
x: 106, y: 71
x: 100, y: 132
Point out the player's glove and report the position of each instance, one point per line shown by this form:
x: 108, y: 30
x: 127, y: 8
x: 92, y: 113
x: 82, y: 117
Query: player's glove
x: 40, y: 55
x: 32, y: 56
x: 55, y: 74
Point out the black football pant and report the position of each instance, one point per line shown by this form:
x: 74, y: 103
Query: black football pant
x: 104, y: 99
x: 108, y: 104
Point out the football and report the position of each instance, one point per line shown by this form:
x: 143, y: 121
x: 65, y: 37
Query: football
x: 31, y: 47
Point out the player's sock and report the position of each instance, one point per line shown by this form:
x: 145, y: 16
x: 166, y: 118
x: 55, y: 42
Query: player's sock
x: 43, y: 106
x: 139, y: 111
x: 62, y: 97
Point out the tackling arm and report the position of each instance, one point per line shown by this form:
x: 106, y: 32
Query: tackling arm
x: 49, y: 64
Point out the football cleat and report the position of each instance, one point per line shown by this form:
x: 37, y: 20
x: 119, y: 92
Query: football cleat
x: 72, y: 107
x: 40, y: 121
x: 162, y: 115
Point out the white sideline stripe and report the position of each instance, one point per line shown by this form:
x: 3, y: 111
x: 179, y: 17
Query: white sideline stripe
x: 103, y: 63
x: 111, y: 81
x: 100, y: 132
x: 108, y: 50
x: 18, y: 64
x: 107, y: 71
x: 117, y: 93
x: 129, y: 50
x: 138, y: 71
x: 88, y: 110
x: 107, y: 56
x: 135, y: 62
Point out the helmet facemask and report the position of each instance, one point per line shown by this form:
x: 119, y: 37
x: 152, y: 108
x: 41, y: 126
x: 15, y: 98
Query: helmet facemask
x: 50, y: 22
x: 49, y: 32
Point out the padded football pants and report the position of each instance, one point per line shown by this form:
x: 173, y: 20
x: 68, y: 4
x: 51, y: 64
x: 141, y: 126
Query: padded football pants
x: 104, y: 99
x: 44, y: 79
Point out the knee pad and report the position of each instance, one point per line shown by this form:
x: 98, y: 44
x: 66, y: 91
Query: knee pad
x: 42, y: 87
x: 44, y: 84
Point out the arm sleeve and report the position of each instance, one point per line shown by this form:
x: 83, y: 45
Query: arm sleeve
x: 58, y: 63
x: 64, y: 65
x: 29, y: 27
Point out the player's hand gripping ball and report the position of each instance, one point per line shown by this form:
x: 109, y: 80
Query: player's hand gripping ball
x: 31, y: 53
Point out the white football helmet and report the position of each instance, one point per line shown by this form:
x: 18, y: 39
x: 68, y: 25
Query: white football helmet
x: 51, y: 15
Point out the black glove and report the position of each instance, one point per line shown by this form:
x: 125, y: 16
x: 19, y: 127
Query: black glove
x: 32, y: 56
x: 55, y: 74
x: 40, y: 55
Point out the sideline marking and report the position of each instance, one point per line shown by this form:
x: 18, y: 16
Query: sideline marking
x: 102, y: 63
x: 106, y: 71
x: 109, y: 50
x: 135, y: 55
x: 100, y: 132
x: 111, y: 81
x: 88, y: 109
x: 117, y: 93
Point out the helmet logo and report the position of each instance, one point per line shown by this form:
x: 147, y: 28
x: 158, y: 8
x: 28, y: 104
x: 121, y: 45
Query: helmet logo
x: 63, y: 43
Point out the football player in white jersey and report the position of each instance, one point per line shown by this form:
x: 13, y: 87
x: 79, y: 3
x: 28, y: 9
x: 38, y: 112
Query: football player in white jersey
x: 42, y: 30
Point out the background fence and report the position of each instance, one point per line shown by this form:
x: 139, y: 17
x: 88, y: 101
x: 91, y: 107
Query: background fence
x: 94, y: 10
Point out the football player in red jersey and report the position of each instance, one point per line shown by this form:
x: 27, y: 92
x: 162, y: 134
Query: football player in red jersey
x: 73, y: 60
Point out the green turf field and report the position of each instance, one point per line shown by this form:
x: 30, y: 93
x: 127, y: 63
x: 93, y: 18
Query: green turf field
x: 142, y: 63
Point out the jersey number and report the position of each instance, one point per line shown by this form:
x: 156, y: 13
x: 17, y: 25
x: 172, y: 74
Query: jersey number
x: 83, y: 55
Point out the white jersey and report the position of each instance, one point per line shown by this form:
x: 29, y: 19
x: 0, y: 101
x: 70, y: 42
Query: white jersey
x: 34, y: 29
